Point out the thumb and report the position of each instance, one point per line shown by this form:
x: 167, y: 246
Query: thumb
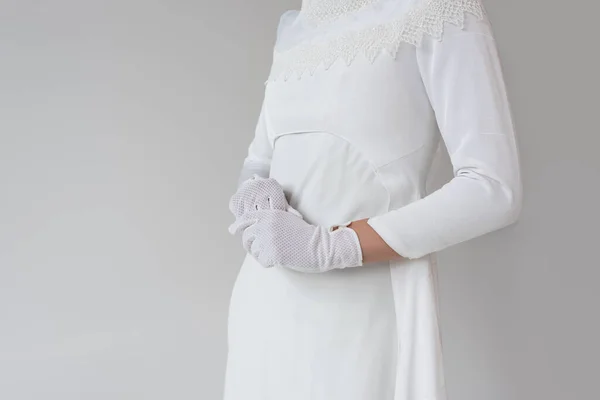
x: 241, y: 224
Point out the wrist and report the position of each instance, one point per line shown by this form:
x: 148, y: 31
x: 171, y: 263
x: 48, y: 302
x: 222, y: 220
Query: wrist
x: 345, y: 245
x: 373, y: 247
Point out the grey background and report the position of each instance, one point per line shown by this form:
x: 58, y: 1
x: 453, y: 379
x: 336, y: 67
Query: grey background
x: 123, y: 124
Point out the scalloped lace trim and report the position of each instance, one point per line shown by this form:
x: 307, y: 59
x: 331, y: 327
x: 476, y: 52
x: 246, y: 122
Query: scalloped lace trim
x: 428, y: 18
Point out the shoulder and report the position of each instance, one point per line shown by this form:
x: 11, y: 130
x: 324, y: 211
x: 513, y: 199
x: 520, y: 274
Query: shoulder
x: 286, y: 20
x: 438, y: 19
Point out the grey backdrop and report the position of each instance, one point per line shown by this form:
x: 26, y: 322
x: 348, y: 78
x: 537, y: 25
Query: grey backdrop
x: 123, y: 124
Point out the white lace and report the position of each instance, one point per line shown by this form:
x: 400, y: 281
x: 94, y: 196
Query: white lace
x: 321, y: 11
x: 428, y: 17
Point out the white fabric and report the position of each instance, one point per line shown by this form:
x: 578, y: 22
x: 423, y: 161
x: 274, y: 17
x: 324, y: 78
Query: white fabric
x: 277, y: 237
x: 258, y: 161
x: 356, y: 141
x: 253, y: 168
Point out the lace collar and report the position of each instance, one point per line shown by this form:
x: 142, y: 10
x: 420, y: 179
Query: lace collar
x: 325, y: 31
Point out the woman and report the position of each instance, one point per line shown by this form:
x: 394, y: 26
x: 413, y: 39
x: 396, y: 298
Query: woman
x: 336, y: 299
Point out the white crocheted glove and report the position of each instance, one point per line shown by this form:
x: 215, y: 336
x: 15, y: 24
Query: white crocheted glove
x: 276, y: 237
x: 258, y: 193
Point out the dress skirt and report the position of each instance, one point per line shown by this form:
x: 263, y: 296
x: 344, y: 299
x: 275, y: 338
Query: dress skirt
x: 295, y: 336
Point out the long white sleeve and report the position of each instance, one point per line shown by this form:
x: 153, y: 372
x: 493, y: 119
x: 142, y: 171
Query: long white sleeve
x: 260, y: 150
x: 463, y: 78
x: 258, y: 158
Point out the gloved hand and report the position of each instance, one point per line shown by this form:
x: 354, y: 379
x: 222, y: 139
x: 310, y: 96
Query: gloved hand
x: 258, y: 193
x: 276, y: 237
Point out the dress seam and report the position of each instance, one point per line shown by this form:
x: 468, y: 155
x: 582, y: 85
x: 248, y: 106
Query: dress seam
x: 405, y: 155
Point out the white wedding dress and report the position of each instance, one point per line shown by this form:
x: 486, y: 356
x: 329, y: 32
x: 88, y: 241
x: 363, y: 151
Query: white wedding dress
x: 359, y: 96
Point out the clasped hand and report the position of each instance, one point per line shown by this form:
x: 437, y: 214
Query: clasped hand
x: 274, y: 233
